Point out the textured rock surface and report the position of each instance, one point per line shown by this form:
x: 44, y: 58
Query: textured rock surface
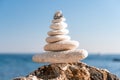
x: 69, y: 71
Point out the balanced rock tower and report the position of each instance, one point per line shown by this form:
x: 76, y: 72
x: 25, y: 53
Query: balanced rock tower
x: 60, y: 48
x: 64, y: 57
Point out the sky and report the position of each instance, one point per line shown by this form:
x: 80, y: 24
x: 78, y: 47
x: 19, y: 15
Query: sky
x: 94, y: 23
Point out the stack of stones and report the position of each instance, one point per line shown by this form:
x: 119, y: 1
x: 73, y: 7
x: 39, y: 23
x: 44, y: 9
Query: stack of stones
x: 58, y: 40
x: 59, y: 47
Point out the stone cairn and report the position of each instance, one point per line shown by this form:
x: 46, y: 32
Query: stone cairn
x: 60, y: 48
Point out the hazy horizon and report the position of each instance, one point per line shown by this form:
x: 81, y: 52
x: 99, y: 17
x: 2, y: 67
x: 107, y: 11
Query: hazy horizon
x: 24, y: 24
x: 89, y: 53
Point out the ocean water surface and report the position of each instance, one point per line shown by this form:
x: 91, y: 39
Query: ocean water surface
x: 14, y: 65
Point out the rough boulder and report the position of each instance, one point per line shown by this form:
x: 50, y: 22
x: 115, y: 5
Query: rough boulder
x: 69, y: 71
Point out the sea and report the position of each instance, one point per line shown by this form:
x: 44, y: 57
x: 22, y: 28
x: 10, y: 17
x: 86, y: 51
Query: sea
x: 15, y: 65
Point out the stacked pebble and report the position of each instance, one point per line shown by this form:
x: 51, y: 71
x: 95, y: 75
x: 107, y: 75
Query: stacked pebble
x: 59, y: 47
x: 58, y: 40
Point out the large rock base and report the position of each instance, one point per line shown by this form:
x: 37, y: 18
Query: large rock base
x: 69, y: 71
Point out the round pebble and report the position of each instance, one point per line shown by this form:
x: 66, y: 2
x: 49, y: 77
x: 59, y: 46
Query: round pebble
x: 58, y: 32
x: 58, y: 26
x: 61, y: 45
x: 57, y: 38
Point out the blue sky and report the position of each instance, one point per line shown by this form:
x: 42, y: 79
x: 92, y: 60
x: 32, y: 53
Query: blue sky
x: 94, y: 23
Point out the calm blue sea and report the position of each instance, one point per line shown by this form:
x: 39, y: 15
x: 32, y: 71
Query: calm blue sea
x: 14, y: 65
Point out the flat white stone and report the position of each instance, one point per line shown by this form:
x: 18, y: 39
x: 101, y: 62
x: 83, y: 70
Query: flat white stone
x: 58, y: 32
x: 57, y: 38
x: 61, y: 56
x: 58, y: 26
x: 61, y: 45
x: 58, y: 20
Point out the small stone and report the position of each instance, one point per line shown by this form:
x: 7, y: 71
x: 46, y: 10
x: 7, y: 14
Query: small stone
x: 58, y: 32
x: 58, y: 26
x: 61, y: 56
x: 61, y: 45
x: 58, y: 15
x: 57, y: 38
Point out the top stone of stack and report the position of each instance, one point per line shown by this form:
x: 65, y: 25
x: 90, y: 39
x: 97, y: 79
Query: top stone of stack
x: 58, y: 15
x: 60, y: 48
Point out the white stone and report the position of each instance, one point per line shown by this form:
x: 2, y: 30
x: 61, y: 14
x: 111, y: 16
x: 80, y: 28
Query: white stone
x: 58, y: 20
x: 61, y: 56
x: 58, y: 32
x: 61, y: 45
x: 57, y: 38
x: 58, y: 26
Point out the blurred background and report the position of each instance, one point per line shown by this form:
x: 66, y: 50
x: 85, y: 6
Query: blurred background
x: 24, y: 25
